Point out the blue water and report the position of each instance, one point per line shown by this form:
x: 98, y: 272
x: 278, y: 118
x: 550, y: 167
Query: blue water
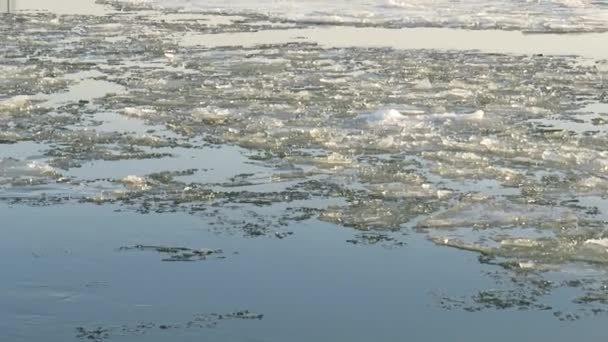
x: 61, y: 269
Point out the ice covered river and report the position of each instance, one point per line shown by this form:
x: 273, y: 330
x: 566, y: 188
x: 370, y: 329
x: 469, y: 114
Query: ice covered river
x: 303, y: 170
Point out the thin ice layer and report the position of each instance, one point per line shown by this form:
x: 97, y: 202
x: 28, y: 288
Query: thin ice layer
x: 540, y: 16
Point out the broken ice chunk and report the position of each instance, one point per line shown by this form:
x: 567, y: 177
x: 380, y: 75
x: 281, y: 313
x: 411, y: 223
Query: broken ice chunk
x: 135, y: 183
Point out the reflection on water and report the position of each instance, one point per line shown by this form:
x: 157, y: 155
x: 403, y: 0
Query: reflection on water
x: 66, y: 271
x: 7, y: 6
x: 586, y: 45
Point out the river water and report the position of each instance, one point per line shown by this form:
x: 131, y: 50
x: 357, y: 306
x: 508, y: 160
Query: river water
x: 300, y: 170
